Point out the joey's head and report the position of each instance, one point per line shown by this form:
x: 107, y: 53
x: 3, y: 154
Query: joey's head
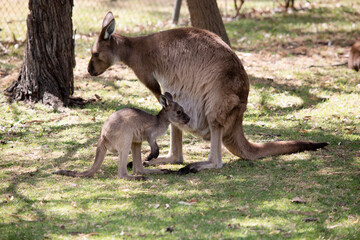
x: 174, y: 112
x: 102, y: 52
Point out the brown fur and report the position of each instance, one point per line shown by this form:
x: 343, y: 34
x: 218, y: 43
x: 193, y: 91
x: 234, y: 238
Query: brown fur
x: 128, y: 128
x: 354, y: 58
x: 204, y: 75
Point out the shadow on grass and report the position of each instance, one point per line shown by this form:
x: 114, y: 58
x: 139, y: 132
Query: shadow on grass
x: 223, y: 206
x: 294, y: 25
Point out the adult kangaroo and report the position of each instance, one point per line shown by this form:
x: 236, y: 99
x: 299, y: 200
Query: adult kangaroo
x: 354, y: 57
x: 204, y: 76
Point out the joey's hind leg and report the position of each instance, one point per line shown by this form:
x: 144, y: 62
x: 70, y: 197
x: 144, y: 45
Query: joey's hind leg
x: 138, y: 167
x: 153, y: 154
x: 123, y: 156
x: 214, y: 159
x: 175, y: 155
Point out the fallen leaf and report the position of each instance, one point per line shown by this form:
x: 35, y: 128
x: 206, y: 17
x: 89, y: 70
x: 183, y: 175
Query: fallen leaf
x: 184, y: 203
x: 333, y: 226
x: 193, y: 200
x: 9, y: 198
x: 97, y: 96
x: 298, y: 200
x: 351, y: 131
x: 310, y: 220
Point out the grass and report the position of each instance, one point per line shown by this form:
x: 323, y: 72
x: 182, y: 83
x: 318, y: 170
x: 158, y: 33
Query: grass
x: 241, y: 200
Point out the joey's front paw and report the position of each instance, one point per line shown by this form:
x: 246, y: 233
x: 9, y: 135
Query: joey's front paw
x: 153, y: 155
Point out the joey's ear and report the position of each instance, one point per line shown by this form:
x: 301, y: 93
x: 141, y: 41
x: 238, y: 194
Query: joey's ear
x: 168, y: 96
x: 164, y: 101
x: 108, y: 26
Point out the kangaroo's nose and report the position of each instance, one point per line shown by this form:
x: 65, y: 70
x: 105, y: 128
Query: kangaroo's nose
x: 91, y: 69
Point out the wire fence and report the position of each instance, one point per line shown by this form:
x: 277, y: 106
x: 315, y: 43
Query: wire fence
x: 131, y: 15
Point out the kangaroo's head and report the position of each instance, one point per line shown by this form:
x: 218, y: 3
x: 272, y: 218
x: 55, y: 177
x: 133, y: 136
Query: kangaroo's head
x: 103, y: 53
x: 174, y: 112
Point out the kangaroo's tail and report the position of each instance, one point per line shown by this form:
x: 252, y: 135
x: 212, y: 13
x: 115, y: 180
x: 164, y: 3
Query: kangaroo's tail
x: 99, y: 158
x: 238, y: 145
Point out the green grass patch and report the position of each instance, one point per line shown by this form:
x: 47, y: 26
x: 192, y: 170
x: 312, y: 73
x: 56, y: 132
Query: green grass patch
x: 251, y: 200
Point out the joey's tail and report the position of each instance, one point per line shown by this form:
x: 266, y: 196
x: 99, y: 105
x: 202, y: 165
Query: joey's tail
x: 99, y: 158
x: 238, y: 145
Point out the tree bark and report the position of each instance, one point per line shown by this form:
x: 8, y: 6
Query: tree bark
x: 46, y: 74
x: 205, y: 14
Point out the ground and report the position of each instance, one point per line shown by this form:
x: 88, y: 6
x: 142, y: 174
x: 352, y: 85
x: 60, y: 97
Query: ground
x: 311, y: 195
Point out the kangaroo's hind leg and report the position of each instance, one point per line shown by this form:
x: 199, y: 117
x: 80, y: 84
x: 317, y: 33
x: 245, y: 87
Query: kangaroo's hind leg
x: 123, y: 151
x: 138, y: 166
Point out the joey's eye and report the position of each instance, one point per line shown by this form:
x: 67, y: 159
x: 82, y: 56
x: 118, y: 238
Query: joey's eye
x: 95, y: 54
x: 178, y: 112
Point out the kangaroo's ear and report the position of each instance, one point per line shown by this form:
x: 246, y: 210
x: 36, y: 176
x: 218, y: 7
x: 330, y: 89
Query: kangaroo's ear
x: 164, y: 101
x: 168, y: 96
x: 108, y: 26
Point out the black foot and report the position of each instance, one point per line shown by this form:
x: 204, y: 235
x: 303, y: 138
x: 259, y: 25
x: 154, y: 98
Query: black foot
x: 168, y: 171
x: 186, y: 170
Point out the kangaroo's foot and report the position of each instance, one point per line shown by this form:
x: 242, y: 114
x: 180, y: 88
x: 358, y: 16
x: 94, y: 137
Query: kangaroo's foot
x: 156, y: 171
x: 132, y: 177
x: 198, y: 166
x: 172, y: 159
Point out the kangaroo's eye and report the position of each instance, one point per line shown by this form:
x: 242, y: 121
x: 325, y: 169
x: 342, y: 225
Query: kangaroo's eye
x: 178, y: 112
x: 95, y: 54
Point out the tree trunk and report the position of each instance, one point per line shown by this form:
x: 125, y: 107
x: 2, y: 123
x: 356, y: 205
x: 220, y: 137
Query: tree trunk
x: 46, y: 74
x: 205, y: 14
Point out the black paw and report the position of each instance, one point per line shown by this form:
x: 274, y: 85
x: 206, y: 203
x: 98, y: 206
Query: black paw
x: 153, y: 155
x: 186, y: 170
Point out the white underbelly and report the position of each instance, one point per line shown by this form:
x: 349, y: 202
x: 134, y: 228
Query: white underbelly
x: 198, y: 123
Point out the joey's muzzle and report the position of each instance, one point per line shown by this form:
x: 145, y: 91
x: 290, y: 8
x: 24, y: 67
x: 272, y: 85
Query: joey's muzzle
x: 186, y: 119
